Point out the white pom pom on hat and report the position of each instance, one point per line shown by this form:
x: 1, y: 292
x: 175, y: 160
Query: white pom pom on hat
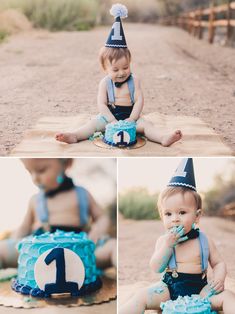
x: 119, y: 9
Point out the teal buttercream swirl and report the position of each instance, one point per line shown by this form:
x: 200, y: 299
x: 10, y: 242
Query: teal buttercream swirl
x: 121, y: 124
x: 58, y: 236
x: 194, y: 304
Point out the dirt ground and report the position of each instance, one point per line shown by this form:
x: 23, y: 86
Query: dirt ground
x: 57, y: 74
x: 137, y: 240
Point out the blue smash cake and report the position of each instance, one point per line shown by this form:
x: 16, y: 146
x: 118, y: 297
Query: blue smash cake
x: 183, y: 305
x: 56, y: 263
x: 120, y: 134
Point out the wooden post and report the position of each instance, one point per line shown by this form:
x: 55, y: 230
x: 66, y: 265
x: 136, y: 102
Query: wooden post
x: 211, y: 29
x: 195, y: 27
x: 188, y: 22
x: 200, y: 29
x: 229, y: 28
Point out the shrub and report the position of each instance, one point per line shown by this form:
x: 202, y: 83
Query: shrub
x: 138, y: 204
x: 57, y: 14
x: 3, y: 35
x: 222, y: 191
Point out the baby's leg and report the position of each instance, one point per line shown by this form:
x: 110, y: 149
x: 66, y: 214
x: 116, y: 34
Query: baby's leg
x: 83, y: 133
x: 106, y: 255
x: 157, y: 135
x: 8, y: 253
x: 223, y: 301
x: 146, y: 299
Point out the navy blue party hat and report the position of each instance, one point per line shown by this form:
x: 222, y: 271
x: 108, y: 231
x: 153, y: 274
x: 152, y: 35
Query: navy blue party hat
x: 184, y: 175
x: 116, y: 37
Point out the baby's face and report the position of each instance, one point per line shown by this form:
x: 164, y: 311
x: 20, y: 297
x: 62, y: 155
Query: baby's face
x: 179, y: 209
x: 118, y: 70
x: 44, y: 171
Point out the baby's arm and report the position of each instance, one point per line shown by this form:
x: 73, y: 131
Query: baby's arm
x: 139, y: 102
x: 100, y: 221
x: 26, y: 226
x: 102, y: 102
x: 163, y: 251
x: 218, y: 267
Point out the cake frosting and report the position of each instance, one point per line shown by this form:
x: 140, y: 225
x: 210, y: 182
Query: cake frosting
x: 121, y: 134
x: 55, y: 263
x: 183, y: 305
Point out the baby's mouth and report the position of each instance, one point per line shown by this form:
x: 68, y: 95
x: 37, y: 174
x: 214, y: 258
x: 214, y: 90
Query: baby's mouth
x: 122, y: 78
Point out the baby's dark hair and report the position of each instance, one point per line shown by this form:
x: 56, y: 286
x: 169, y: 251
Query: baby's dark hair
x: 113, y: 54
x: 171, y: 190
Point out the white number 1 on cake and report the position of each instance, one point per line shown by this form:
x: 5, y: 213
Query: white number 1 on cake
x: 61, y: 285
x: 122, y: 142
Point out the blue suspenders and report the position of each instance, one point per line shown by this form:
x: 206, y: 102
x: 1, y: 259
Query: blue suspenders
x: 83, y: 201
x: 110, y: 90
x: 204, y: 253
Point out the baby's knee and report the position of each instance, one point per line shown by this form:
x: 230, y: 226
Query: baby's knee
x: 218, y: 300
x: 8, y: 253
x: 228, y: 295
x: 140, y: 125
x: 142, y: 295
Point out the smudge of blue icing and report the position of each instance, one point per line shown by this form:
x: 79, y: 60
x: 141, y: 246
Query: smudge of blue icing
x: 96, y: 135
x: 209, y: 291
x: 158, y: 289
x: 165, y: 260
x: 29, y: 300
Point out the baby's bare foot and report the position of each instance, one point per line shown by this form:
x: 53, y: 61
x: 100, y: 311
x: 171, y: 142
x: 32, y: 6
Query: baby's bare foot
x: 172, y: 138
x: 69, y: 138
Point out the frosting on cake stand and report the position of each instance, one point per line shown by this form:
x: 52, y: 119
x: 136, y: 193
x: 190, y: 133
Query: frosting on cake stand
x: 184, y: 305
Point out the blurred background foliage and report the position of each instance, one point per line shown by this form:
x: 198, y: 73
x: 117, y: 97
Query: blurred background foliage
x: 173, y: 7
x: 138, y: 204
x: 3, y: 35
x: 84, y: 14
x: 56, y: 15
x: 218, y: 200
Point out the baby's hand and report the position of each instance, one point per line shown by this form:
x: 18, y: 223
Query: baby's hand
x: 216, y: 285
x: 173, y: 235
x: 130, y: 120
x: 93, y: 235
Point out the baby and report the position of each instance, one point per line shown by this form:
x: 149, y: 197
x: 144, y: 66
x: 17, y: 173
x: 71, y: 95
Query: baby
x: 60, y: 204
x: 120, y: 96
x: 183, y: 252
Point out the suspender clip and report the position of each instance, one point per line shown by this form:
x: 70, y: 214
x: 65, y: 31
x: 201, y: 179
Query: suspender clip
x: 174, y: 273
x: 204, y: 274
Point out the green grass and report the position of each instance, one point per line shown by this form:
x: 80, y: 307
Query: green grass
x: 57, y: 14
x: 138, y: 204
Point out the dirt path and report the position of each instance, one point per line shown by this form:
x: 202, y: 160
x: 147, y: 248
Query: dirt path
x: 137, y: 240
x: 44, y: 74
